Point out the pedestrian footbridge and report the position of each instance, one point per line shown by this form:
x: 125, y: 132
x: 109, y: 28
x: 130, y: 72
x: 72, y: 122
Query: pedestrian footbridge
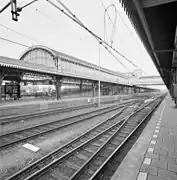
x: 146, y: 81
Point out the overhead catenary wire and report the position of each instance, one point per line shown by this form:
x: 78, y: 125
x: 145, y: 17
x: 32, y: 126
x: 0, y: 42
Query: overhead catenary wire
x: 14, y: 42
x: 132, y: 35
x: 113, y: 24
x: 19, y: 33
x: 5, y: 7
x: 45, y: 15
x: 109, y: 18
x: 130, y: 32
x: 117, y: 59
x: 26, y: 5
x: 75, y: 19
x: 50, y: 18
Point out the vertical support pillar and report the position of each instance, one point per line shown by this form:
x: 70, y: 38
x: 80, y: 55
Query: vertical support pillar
x: 121, y: 89
x: 80, y: 87
x: 94, y: 92
x: 174, y: 65
x: 99, y: 83
x: 93, y: 89
x: 1, y: 78
x: 18, y: 88
x: 133, y: 89
x: 58, y: 84
x: 99, y: 92
x: 174, y: 89
x: 124, y: 89
x: 130, y: 90
x: 112, y: 89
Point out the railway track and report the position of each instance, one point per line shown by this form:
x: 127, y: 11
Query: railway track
x: 74, y: 154
x: 15, y: 118
x: 24, y: 134
x: 96, y: 162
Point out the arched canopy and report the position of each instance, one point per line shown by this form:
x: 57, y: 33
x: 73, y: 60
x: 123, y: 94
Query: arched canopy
x: 40, y: 55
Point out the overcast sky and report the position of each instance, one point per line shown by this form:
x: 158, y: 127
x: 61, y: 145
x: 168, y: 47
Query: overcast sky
x: 45, y: 24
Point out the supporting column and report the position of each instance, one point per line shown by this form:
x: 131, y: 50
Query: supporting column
x: 112, y: 89
x: 1, y: 78
x: 80, y: 87
x: 58, y: 84
x: 174, y: 90
x: 99, y: 92
x: 18, y: 88
x: 129, y: 90
x: 174, y: 74
x: 124, y: 89
x: 94, y: 89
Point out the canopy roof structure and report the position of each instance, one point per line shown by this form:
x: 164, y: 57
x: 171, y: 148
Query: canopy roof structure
x: 155, y: 22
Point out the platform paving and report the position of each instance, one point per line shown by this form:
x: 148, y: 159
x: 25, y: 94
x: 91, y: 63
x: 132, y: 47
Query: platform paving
x: 32, y: 100
x: 154, y: 155
x: 27, y: 106
x: 27, y: 101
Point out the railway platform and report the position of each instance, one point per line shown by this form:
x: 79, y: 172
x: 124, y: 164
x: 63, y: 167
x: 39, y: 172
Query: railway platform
x: 18, y: 107
x: 154, y: 155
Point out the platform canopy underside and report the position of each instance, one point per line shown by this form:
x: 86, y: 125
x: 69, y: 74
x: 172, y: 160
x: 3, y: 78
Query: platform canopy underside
x: 155, y: 22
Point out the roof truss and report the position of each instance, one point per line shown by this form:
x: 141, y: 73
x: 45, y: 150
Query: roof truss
x: 152, y: 3
x: 174, y: 61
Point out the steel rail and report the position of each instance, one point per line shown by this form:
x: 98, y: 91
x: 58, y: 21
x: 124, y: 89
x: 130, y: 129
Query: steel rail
x: 55, y: 161
x: 83, y: 135
x: 64, y: 119
x: 125, y: 140
x: 46, y: 157
x: 15, y: 118
x: 28, y: 116
x: 89, y: 161
x: 44, y: 125
x: 26, y: 169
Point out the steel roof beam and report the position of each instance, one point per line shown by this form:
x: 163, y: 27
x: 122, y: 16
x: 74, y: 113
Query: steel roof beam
x: 152, y: 3
x: 174, y: 61
x: 163, y: 50
x: 144, y: 23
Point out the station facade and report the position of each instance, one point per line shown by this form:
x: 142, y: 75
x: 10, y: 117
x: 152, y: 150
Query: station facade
x: 69, y: 76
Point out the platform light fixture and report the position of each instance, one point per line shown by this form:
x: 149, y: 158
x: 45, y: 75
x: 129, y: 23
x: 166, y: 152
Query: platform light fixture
x: 14, y: 10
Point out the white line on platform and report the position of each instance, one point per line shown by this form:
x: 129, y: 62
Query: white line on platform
x: 154, y: 135
x: 158, y: 124
x: 150, y: 149
x: 153, y: 142
x: 142, y: 176
x: 157, y: 127
x: 147, y: 161
x: 161, y: 114
x: 31, y: 147
x: 156, y: 131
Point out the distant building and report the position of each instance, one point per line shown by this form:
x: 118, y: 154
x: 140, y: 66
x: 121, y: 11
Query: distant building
x: 138, y: 73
